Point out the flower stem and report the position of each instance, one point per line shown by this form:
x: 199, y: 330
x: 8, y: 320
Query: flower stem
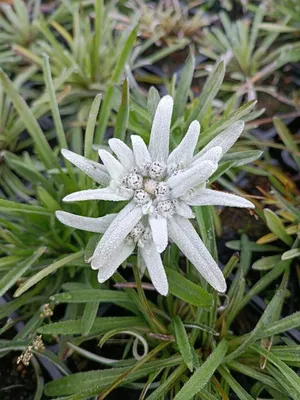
x: 156, y: 323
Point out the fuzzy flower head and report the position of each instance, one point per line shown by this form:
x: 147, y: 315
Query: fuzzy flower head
x: 161, y: 189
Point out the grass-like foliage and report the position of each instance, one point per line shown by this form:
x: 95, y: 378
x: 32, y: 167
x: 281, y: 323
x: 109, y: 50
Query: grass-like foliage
x: 74, y: 77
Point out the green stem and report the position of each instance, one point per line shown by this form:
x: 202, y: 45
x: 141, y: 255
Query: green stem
x: 119, y: 380
x: 156, y: 323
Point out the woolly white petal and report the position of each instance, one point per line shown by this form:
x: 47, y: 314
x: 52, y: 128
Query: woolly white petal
x: 89, y: 224
x: 119, y: 256
x: 113, y: 166
x: 121, y: 226
x: 155, y: 268
x: 182, y: 232
x: 99, y: 194
x: 208, y: 197
x: 123, y: 152
x: 188, y: 179
x: 160, y: 132
x: 184, y: 151
x: 214, y: 155
x: 91, y: 168
x: 183, y: 209
x: 141, y: 154
x: 226, y: 139
x: 159, y: 231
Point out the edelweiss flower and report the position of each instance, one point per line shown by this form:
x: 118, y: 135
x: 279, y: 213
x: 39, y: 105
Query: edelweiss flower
x: 162, y: 188
x: 139, y: 236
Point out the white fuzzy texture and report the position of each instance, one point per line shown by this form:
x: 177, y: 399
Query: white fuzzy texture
x: 161, y: 189
x: 113, y: 263
x: 98, y: 225
x: 115, y: 169
x: 208, y: 197
x: 141, y: 154
x: 160, y: 132
x: 155, y: 268
x: 159, y: 232
x: 98, y: 194
x: 91, y: 168
x: 116, y: 234
x: 183, y: 153
x: 186, y: 180
x: 123, y: 153
x: 182, y: 232
x: 225, y: 139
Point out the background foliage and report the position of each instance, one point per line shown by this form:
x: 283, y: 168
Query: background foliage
x: 73, y: 74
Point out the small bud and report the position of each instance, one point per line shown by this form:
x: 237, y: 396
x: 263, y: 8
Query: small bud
x: 38, y: 344
x: 141, y: 197
x: 134, y: 181
x: 26, y: 356
x: 157, y: 170
x: 46, y: 311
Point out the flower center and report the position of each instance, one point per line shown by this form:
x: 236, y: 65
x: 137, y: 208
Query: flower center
x: 150, y: 186
x: 157, y: 170
x: 134, y: 181
x: 139, y: 235
x: 141, y: 197
x: 165, y: 208
x: 150, y: 190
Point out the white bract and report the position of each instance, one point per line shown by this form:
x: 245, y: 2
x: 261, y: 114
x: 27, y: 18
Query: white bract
x: 161, y: 188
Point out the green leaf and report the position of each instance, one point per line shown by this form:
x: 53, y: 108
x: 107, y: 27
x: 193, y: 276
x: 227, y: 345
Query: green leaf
x: 47, y: 271
x: 152, y: 100
x: 206, y: 225
x: 90, y: 127
x: 287, y: 139
x: 283, y: 325
x: 254, y: 374
x: 182, y: 341
x: 235, y: 386
x: 209, y: 133
x: 91, y: 381
x: 8, y: 280
x: 101, y: 325
x: 28, y: 172
x: 291, y: 377
x: 209, y: 92
x: 97, y: 39
x: 222, y: 168
x: 123, y: 114
x: 106, y: 106
x: 203, y: 374
x: 243, y: 157
x: 92, y: 295
x: 266, y: 263
x: 46, y: 199
x: 276, y: 226
x: 293, y: 253
x: 183, y: 88
x: 53, y: 102
x: 163, y: 388
x: 188, y: 291
x: 42, y: 146
x: 260, y: 327
x: 255, y: 247
x: 245, y: 257
x: 89, y: 316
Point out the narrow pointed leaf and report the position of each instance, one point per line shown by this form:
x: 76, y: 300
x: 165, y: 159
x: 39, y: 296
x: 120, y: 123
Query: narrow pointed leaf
x: 182, y: 341
x: 203, y: 374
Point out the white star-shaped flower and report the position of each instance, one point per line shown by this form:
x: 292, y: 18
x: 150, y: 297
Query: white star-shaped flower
x: 140, y: 236
x: 161, y: 189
